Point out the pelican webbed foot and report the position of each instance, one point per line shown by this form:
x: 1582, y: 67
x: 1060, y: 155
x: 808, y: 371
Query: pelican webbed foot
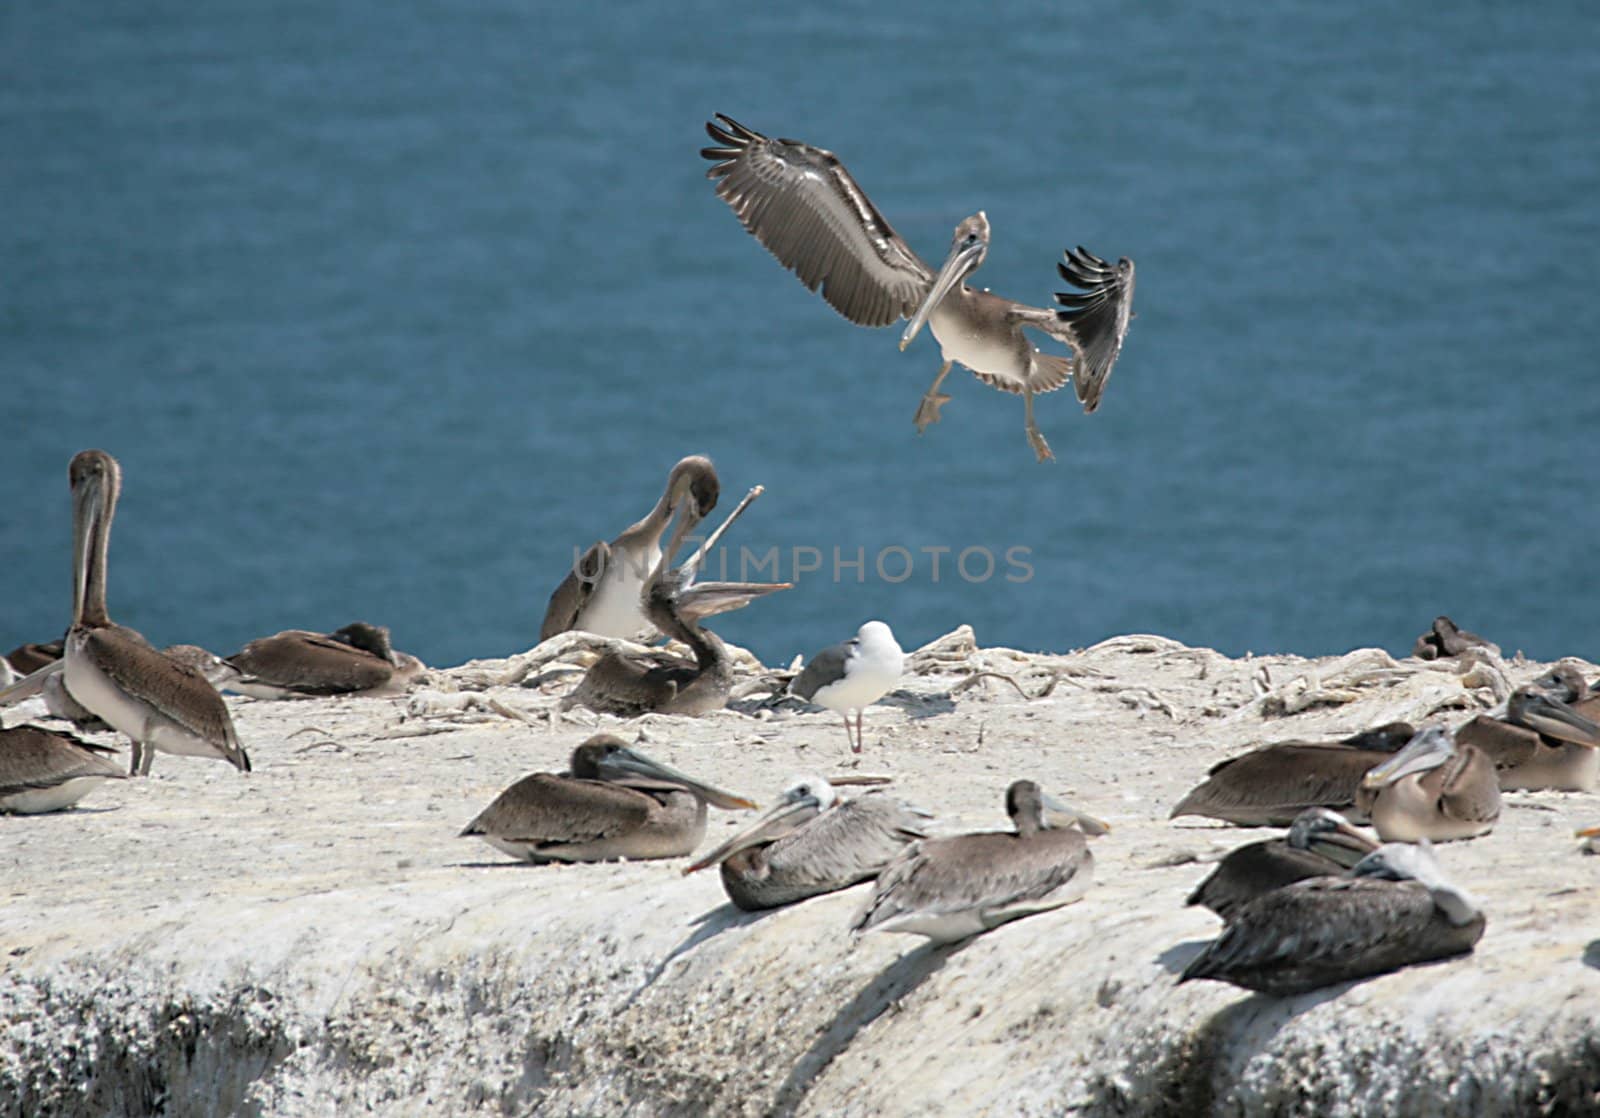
x: 932, y: 400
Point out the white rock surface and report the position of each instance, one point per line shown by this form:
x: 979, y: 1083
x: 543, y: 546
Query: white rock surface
x: 312, y: 939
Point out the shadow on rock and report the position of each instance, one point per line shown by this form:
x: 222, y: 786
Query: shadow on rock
x: 1180, y: 955
x: 917, y: 707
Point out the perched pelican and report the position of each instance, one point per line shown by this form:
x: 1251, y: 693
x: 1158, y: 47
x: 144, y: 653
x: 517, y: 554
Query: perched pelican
x: 1320, y: 843
x: 601, y: 594
x: 28, y: 658
x: 804, y: 207
x: 813, y: 842
x: 1445, y: 638
x: 1271, y: 785
x: 1432, y: 789
x: 1542, y: 742
x: 950, y: 888
x: 112, y: 670
x: 1396, y: 908
x: 355, y: 660
x: 612, y: 803
x: 44, y: 770
x: 852, y: 675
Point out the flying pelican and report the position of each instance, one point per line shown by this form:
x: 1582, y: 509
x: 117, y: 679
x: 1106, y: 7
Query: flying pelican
x: 1446, y: 638
x: 111, y: 670
x: 1432, y: 789
x: 950, y: 888
x: 804, y: 207
x: 601, y: 593
x: 1271, y: 785
x: 295, y: 664
x: 1320, y: 843
x: 45, y: 770
x: 1542, y: 742
x: 852, y: 675
x: 613, y: 802
x: 1396, y: 908
x: 813, y: 842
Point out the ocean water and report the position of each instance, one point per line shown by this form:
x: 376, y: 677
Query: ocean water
x: 386, y: 307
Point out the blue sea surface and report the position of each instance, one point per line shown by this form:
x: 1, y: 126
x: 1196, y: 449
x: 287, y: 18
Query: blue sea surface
x: 386, y: 307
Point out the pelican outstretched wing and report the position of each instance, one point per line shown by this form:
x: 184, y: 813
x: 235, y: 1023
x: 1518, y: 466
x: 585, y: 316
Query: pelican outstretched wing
x: 801, y: 203
x: 1097, y: 316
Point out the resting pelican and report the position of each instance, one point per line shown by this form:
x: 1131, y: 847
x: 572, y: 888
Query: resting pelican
x: 45, y: 770
x: 853, y: 675
x: 355, y: 660
x: 112, y: 670
x: 1446, y: 638
x: 1432, y: 789
x: 28, y: 658
x: 1320, y: 843
x: 1541, y: 742
x: 804, y: 207
x: 601, y: 593
x: 613, y: 802
x: 813, y: 842
x: 1396, y: 908
x: 1271, y: 785
x: 950, y: 888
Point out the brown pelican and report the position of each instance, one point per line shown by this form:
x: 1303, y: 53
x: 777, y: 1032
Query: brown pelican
x: 950, y: 888
x: 1320, y: 843
x: 1445, y: 638
x: 811, y: 843
x: 45, y: 770
x: 612, y: 803
x: 852, y: 675
x: 112, y: 670
x: 1271, y: 785
x: 804, y: 207
x: 29, y: 658
x: 1396, y: 908
x: 355, y: 660
x: 601, y: 593
x: 1432, y: 789
x: 1542, y: 742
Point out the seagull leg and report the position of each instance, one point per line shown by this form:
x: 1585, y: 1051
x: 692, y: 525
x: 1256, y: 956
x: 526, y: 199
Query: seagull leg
x: 1035, y: 436
x: 860, y: 740
x: 854, y: 748
x: 932, y: 400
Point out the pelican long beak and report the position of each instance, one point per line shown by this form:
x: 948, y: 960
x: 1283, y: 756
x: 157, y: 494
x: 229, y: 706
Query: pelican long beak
x: 1558, y: 720
x: 707, y: 599
x: 1343, y: 844
x: 958, y: 266
x: 87, y: 514
x: 782, y: 820
x: 1059, y: 813
x: 637, y: 768
x: 1428, y: 750
x: 30, y: 685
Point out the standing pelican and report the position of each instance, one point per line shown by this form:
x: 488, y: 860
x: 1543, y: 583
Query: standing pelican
x: 112, y: 671
x: 1432, y: 789
x: 1320, y: 843
x: 853, y: 675
x: 950, y: 888
x: 804, y: 207
x: 355, y: 660
x: 1542, y: 742
x: 813, y: 842
x: 1270, y: 786
x: 44, y: 770
x: 601, y: 593
x: 1396, y: 908
x: 612, y: 803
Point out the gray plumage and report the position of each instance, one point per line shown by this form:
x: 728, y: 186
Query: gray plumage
x: 295, y: 664
x: 825, y: 667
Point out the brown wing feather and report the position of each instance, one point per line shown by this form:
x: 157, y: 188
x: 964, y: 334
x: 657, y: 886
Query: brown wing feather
x: 547, y: 808
x: 1470, y: 787
x: 561, y: 615
x: 177, y: 690
x: 1097, y: 317
x: 311, y: 663
x: 1506, y: 745
x: 1275, y: 783
x: 32, y: 757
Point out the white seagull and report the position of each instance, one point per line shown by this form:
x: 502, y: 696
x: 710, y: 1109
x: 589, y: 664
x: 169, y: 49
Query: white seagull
x: 852, y: 675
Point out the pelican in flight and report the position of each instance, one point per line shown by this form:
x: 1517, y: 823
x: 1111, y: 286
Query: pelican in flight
x: 1320, y: 843
x: 613, y: 802
x: 852, y: 675
x: 1396, y: 908
x: 111, y: 670
x: 950, y: 888
x: 813, y: 842
x: 45, y: 770
x: 1270, y: 786
x: 355, y: 660
x: 1543, y: 742
x: 1432, y: 789
x: 601, y: 593
x: 803, y: 206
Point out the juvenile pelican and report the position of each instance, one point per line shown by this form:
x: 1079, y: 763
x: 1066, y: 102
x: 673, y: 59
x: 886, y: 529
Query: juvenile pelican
x: 29, y: 658
x: 613, y: 802
x: 813, y: 842
x: 804, y: 207
x: 1433, y: 790
x: 295, y: 664
x: 112, y: 670
x: 1320, y: 843
x: 44, y: 770
x: 1446, y: 638
x: 1396, y: 908
x: 950, y: 888
x: 1270, y: 786
x: 601, y: 593
x: 852, y: 675
x: 1541, y: 742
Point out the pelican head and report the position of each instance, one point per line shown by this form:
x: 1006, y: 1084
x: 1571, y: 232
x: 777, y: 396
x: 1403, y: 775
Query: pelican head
x: 605, y: 757
x: 368, y: 638
x: 694, y: 478
x: 96, y: 480
x: 1330, y: 834
x: 967, y: 249
x: 1533, y: 708
x: 1432, y: 747
x: 806, y: 798
x: 1032, y: 809
x: 1404, y: 861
